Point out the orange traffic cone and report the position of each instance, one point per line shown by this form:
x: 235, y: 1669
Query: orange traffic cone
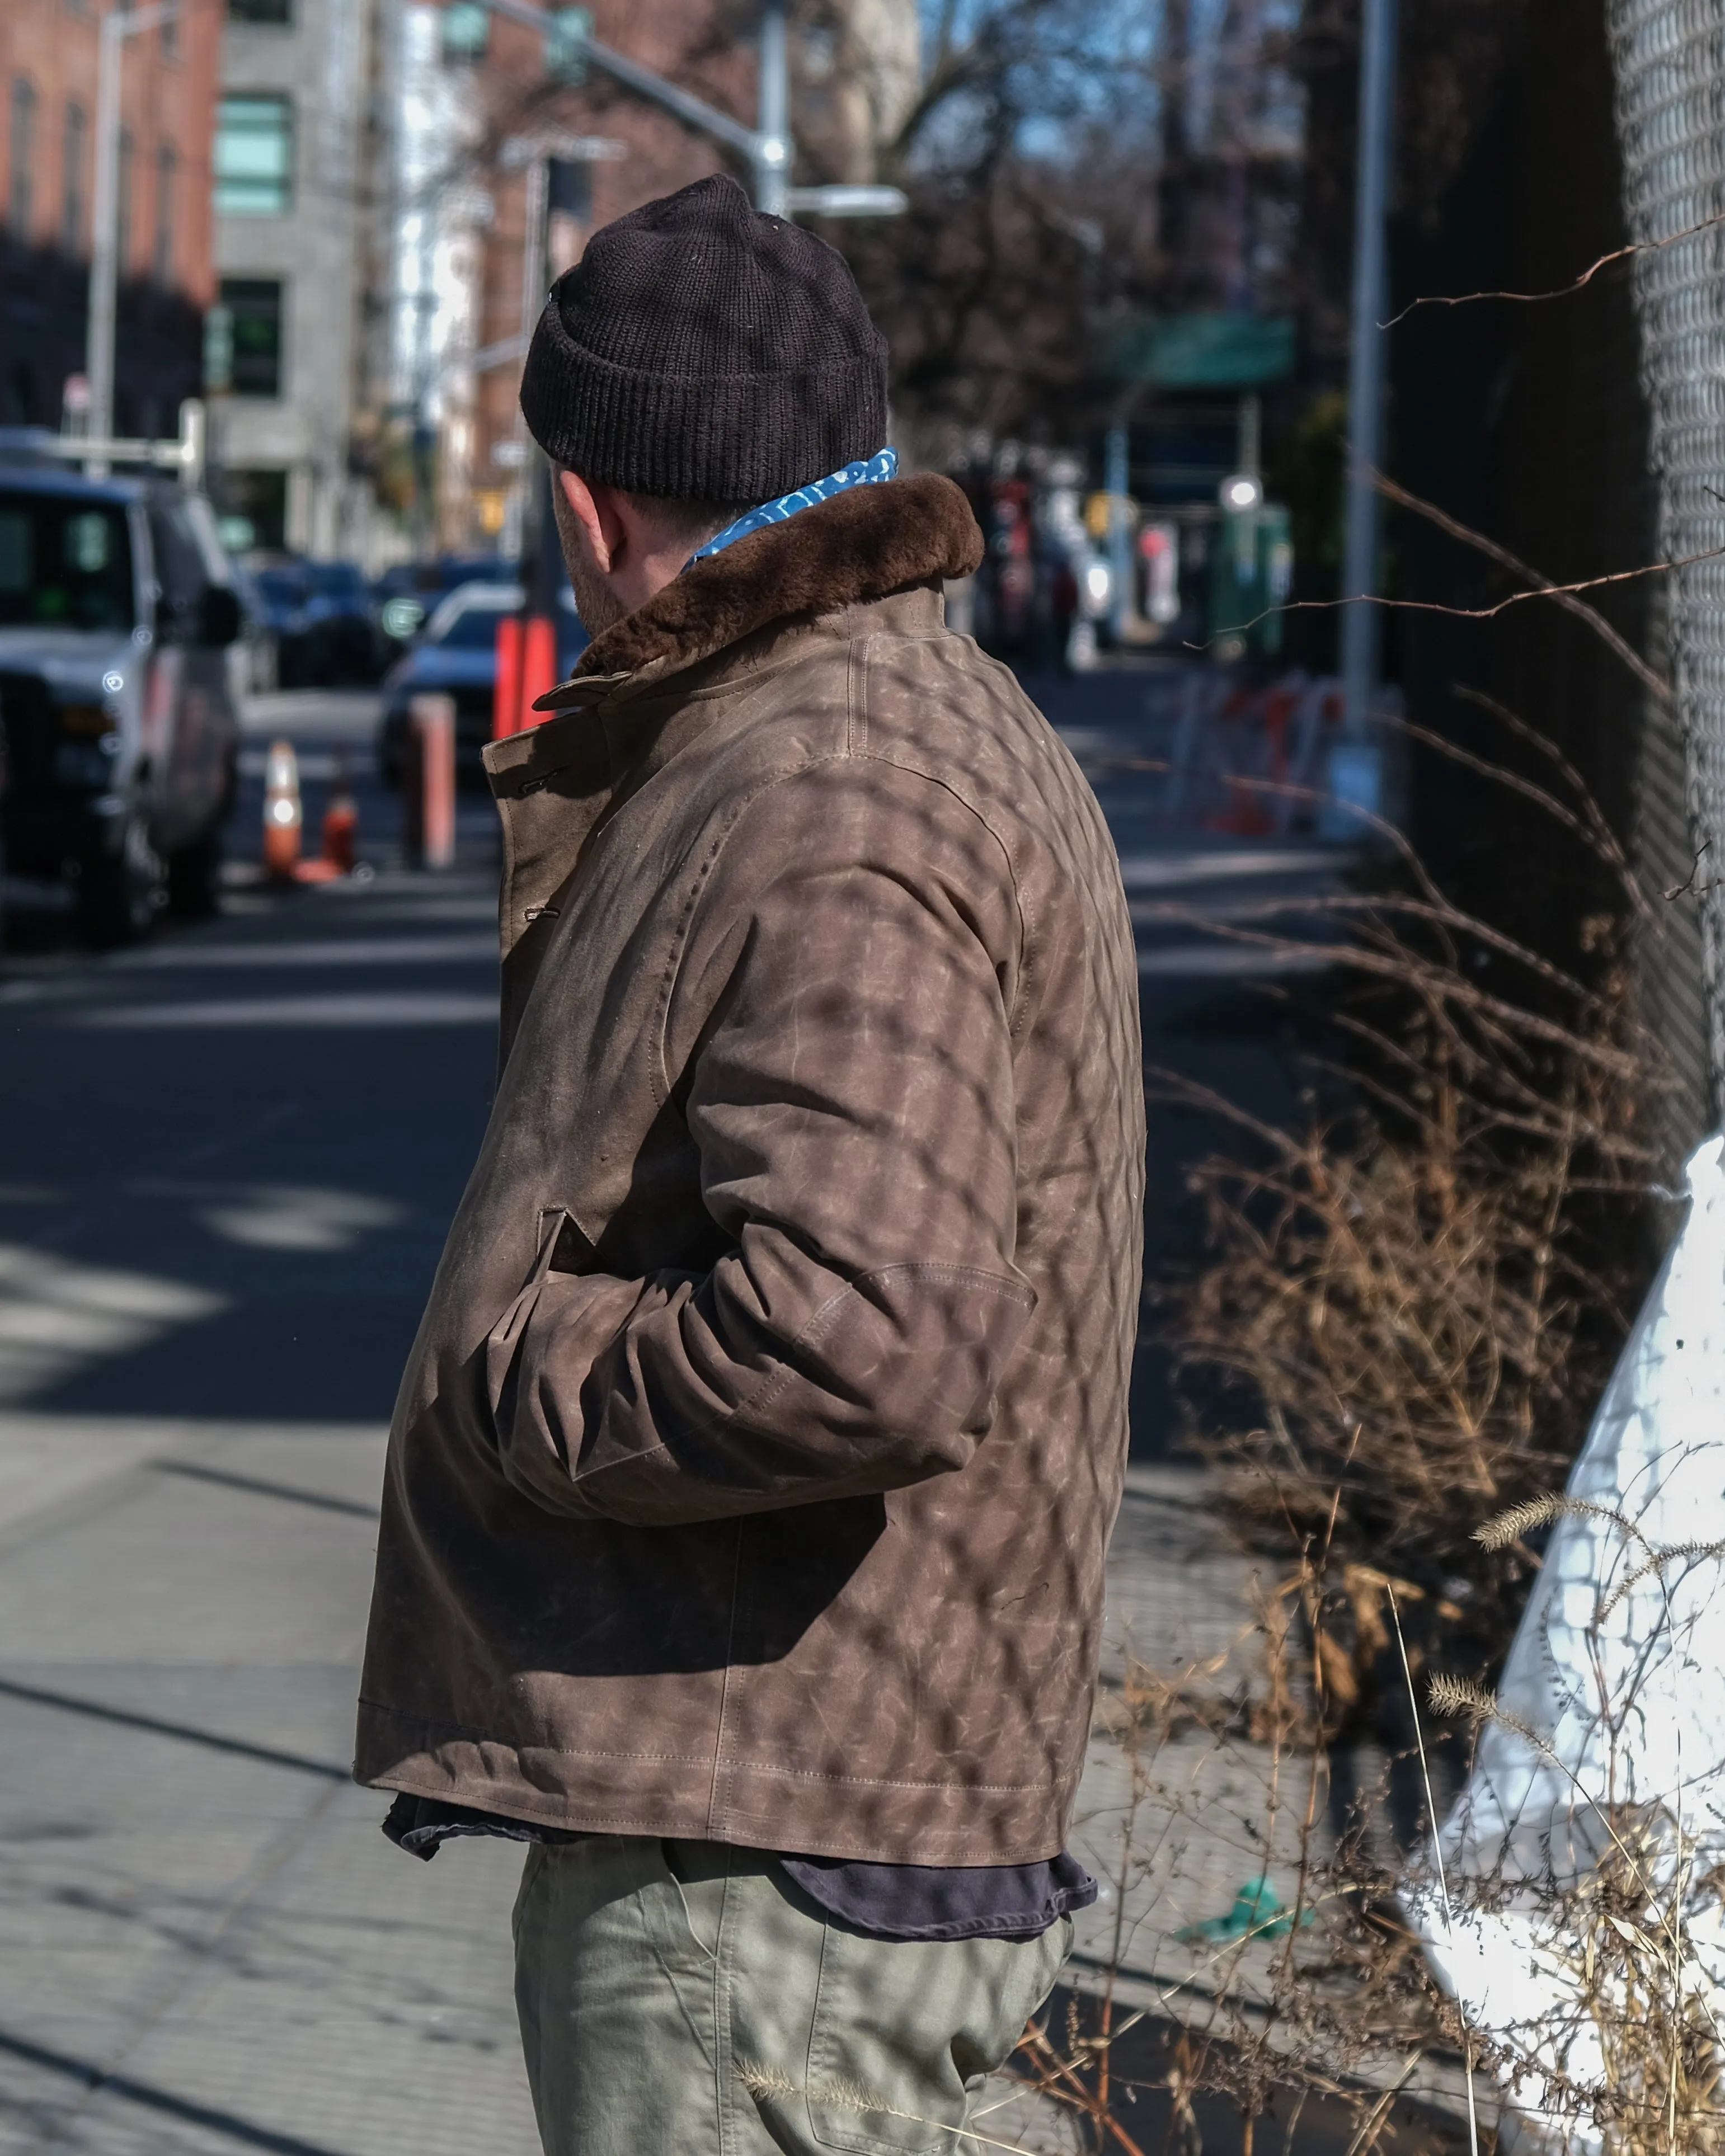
x: 283, y: 814
x: 341, y: 823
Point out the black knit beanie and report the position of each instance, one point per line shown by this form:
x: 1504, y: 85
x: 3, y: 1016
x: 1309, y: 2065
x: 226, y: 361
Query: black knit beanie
x: 704, y: 351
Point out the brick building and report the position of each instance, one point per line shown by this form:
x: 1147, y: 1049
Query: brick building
x: 48, y: 94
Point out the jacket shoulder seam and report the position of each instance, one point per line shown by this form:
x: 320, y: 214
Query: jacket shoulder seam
x: 863, y: 651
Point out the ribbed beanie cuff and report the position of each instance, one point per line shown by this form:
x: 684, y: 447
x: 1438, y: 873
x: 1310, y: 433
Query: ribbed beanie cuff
x: 703, y: 351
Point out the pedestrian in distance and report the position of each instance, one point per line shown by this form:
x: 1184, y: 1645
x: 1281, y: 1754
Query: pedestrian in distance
x: 750, y: 1482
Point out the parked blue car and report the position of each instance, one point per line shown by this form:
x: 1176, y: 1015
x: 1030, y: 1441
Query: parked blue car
x: 319, y: 614
x: 456, y: 653
x: 403, y: 598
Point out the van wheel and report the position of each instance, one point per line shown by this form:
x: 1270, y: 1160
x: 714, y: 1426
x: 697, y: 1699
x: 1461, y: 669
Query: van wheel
x: 119, y: 892
x: 194, y: 877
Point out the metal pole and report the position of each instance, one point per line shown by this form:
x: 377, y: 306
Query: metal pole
x: 541, y: 567
x: 104, y: 241
x: 773, y: 146
x: 519, y: 516
x: 1117, y: 484
x: 693, y: 112
x: 1360, y: 624
x: 105, y: 222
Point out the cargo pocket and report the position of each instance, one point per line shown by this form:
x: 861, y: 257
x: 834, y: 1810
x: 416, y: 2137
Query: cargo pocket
x: 906, y: 2030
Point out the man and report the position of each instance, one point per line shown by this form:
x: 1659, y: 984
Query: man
x: 749, y: 1486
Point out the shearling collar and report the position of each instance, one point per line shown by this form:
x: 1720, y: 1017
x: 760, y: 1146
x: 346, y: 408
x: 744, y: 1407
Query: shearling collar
x: 864, y: 544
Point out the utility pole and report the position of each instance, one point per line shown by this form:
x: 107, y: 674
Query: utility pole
x: 1360, y: 625
x: 105, y: 222
x: 1116, y: 485
x: 773, y: 133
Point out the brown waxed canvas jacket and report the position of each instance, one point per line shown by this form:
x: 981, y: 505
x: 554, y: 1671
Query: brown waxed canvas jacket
x: 752, y: 1474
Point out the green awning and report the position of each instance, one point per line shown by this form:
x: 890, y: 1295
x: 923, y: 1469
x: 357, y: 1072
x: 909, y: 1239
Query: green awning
x: 1201, y: 352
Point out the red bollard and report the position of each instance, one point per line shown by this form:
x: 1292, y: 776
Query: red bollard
x: 428, y: 795
x: 507, y: 697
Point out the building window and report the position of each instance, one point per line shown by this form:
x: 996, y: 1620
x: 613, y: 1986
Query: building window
x: 275, y: 14
x: 72, y: 181
x: 255, y: 157
x: 162, y: 254
x: 21, y: 191
x: 170, y: 33
x: 254, y: 308
x: 122, y: 207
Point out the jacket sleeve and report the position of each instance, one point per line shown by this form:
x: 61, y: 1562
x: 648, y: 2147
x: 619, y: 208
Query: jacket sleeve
x: 849, y: 1084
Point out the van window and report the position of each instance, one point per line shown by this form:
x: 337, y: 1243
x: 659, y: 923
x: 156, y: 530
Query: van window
x: 64, y: 562
x: 180, y: 570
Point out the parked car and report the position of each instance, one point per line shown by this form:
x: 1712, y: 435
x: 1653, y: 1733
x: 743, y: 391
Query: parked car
x: 117, y: 609
x: 277, y: 594
x: 403, y: 598
x: 320, y: 620
x: 457, y: 653
x: 251, y: 663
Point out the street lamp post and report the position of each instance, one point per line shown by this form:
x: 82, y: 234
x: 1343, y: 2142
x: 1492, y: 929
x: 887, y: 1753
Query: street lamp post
x: 772, y: 134
x: 1360, y: 622
x: 105, y: 225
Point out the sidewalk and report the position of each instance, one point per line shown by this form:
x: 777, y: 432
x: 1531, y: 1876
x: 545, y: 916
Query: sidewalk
x: 207, y: 1944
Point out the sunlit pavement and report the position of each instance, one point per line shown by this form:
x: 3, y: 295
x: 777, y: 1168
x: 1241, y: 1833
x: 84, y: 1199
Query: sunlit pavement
x: 230, y: 1158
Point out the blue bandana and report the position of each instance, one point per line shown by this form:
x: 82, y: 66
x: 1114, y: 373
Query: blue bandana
x: 869, y: 471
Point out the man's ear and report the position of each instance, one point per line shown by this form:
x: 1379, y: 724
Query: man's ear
x: 595, y: 509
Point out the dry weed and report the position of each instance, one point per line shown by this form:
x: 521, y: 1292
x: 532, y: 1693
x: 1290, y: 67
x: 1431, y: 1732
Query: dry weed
x: 1418, y: 1300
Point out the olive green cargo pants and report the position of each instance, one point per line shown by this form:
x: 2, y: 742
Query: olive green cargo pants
x: 685, y: 1998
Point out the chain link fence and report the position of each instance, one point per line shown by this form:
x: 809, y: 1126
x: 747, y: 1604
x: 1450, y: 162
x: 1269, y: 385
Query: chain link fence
x: 1668, y: 59
x: 1670, y: 63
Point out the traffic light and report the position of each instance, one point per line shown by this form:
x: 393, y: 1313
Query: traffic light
x: 566, y: 44
x: 466, y: 32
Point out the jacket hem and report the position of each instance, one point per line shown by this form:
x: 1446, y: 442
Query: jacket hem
x: 774, y: 1808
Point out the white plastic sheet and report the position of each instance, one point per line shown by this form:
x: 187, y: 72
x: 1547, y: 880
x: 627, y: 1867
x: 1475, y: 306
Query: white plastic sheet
x: 1619, y: 1668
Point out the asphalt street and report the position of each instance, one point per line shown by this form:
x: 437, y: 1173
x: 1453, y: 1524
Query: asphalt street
x: 228, y: 1160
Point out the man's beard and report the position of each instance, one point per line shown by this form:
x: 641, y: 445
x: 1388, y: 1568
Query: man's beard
x: 595, y: 602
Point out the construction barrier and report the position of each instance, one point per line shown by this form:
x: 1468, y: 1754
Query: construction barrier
x: 1271, y: 760
x: 428, y: 793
